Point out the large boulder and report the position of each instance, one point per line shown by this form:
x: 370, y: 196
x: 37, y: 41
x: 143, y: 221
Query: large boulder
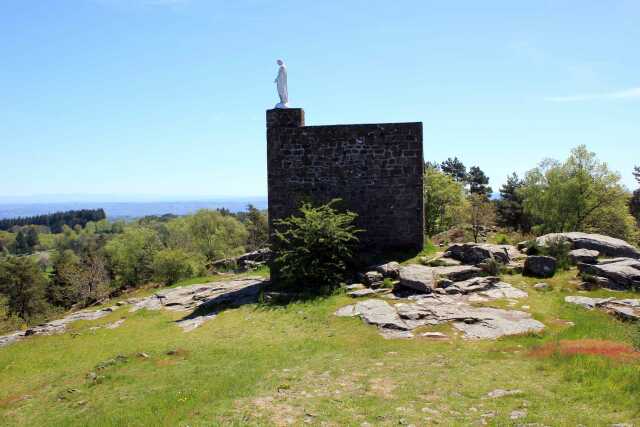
x: 587, y: 256
x: 606, y: 245
x: 418, y: 277
x: 623, y: 274
x: 475, y: 253
x: 540, y: 266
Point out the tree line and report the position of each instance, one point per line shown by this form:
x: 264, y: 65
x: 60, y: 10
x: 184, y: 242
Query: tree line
x: 81, y: 266
x: 55, y: 221
x: 580, y: 193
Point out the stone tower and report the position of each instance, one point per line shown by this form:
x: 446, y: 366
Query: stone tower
x: 376, y: 169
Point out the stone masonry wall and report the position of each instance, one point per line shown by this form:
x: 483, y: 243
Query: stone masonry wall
x: 375, y: 168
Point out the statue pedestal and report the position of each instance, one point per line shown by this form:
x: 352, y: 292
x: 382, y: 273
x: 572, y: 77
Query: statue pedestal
x: 285, y: 118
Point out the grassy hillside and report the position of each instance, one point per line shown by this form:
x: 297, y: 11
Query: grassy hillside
x: 263, y: 365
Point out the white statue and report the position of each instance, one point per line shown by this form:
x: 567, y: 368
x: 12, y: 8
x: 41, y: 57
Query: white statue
x: 281, y: 81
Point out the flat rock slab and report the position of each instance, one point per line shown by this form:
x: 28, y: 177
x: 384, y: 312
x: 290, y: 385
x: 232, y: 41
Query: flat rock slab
x: 625, y: 309
x: 380, y: 313
x: 434, y: 309
x: 361, y: 293
x: 207, y: 299
x: 492, y: 323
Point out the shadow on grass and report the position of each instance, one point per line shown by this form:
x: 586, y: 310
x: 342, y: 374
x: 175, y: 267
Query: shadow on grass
x: 250, y: 294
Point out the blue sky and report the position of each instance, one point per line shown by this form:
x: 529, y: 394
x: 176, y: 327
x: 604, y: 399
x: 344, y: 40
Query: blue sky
x: 167, y: 97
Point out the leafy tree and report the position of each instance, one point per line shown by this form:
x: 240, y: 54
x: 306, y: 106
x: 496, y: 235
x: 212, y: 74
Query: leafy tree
x: 481, y: 214
x: 215, y: 235
x: 634, y: 205
x: 21, y: 246
x: 314, y: 250
x: 454, y: 168
x: 444, y: 201
x: 478, y: 182
x: 257, y: 228
x: 131, y: 255
x: 7, y: 241
x: 510, y: 209
x: 22, y: 281
x: 78, y: 281
x: 171, y: 265
x: 580, y: 194
x: 64, y: 288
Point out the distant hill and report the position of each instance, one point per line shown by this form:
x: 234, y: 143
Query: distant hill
x: 130, y: 210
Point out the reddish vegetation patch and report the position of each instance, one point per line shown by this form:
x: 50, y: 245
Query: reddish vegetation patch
x: 10, y: 400
x: 611, y: 349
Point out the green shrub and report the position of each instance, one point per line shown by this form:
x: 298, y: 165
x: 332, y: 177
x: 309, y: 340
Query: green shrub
x: 533, y: 248
x: 23, y: 285
x: 131, y: 255
x: 502, y: 239
x: 171, y: 265
x: 492, y: 267
x: 558, y: 248
x: 314, y: 250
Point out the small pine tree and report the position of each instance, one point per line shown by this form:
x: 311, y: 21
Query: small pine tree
x: 510, y: 209
x: 478, y: 182
x: 315, y: 249
x: 454, y: 168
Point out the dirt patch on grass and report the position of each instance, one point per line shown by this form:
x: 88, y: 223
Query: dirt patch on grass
x: 279, y: 413
x: 382, y: 387
x: 610, y: 349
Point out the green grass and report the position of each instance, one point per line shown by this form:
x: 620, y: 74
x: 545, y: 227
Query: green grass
x: 262, y: 365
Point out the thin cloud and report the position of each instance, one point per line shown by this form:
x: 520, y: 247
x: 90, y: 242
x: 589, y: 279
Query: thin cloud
x: 633, y: 93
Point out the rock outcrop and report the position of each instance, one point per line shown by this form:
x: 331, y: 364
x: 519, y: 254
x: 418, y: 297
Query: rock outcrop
x: 475, y: 253
x: 605, y: 245
x: 418, y: 277
x: 425, y: 279
x: 621, y: 273
x: 397, y: 321
x: 202, y: 302
x: 389, y: 270
x: 625, y: 309
x: 587, y: 256
x: 248, y: 261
